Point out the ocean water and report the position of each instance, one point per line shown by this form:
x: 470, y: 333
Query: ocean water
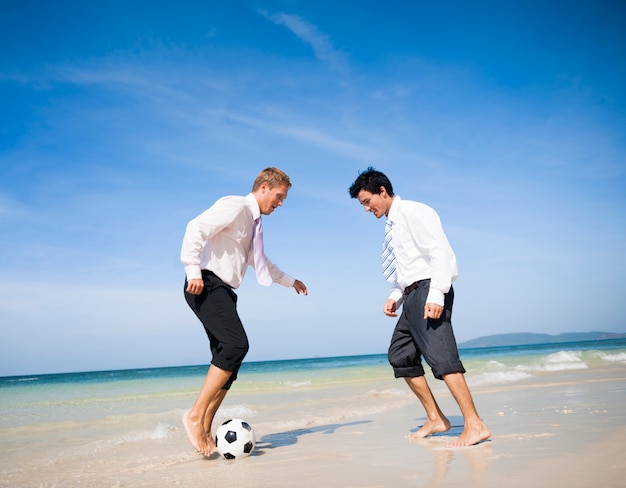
x: 123, y: 428
x: 105, y: 428
x: 83, y: 397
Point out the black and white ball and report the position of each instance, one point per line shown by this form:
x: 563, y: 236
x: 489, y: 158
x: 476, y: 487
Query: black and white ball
x: 235, y: 439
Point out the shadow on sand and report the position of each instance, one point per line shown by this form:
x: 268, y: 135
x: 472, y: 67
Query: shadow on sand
x: 289, y: 438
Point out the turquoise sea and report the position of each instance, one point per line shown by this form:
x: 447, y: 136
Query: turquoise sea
x: 44, y: 399
x: 123, y: 428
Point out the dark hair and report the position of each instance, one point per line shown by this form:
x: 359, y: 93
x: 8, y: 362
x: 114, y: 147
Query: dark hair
x: 370, y: 180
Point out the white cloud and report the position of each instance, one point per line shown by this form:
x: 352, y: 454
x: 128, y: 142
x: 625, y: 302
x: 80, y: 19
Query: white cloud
x: 309, y: 34
x: 309, y: 135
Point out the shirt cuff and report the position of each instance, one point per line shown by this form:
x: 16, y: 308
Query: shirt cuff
x: 193, y: 272
x: 435, y: 296
x: 397, y: 295
x: 286, y: 280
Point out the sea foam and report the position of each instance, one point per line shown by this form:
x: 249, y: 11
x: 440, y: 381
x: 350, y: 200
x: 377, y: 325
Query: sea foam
x: 561, y: 361
x: 497, y: 373
x: 237, y: 412
x: 615, y: 358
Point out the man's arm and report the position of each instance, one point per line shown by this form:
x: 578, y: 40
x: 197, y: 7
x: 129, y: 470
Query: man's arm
x: 200, y: 229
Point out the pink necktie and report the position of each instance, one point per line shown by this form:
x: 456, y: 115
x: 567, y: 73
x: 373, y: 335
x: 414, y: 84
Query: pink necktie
x: 260, y: 261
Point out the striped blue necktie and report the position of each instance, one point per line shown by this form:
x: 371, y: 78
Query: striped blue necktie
x: 389, y: 258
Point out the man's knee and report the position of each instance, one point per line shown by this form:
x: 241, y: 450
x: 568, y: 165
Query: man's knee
x: 230, y: 356
x: 236, y: 352
x: 452, y: 366
x: 405, y: 366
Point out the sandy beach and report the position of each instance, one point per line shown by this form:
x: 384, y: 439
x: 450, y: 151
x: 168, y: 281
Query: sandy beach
x: 563, y: 429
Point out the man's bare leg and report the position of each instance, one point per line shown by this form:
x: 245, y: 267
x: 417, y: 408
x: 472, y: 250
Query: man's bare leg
x: 209, y: 415
x: 194, y: 419
x: 474, y: 430
x: 436, y: 421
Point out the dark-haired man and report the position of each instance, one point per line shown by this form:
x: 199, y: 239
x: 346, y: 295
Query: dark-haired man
x: 421, y: 266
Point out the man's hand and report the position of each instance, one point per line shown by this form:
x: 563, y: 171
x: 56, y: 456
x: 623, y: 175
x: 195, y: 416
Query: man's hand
x: 300, y: 287
x: 390, y: 308
x: 432, y: 311
x: 195, y: 286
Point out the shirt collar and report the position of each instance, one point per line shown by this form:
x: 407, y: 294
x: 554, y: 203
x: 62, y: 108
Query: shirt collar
x: 254, y: 206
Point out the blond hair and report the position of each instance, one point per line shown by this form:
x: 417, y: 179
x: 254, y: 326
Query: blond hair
x: 273, y: 177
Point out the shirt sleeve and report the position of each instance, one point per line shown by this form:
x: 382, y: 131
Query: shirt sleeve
x: 396, y: 294
x: 279, y: 276
x: 432, y: 239
x: 200, y: 229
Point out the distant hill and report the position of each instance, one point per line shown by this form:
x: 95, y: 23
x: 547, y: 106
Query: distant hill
x: 524, y: 338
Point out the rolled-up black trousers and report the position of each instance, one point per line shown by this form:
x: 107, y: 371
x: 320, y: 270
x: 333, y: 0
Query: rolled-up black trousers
x: 415, y: 337
x: 216, y: 307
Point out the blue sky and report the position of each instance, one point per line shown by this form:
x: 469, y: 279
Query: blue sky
x: 123, y: 120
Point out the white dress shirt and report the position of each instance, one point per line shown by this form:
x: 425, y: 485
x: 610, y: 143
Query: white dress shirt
x: 422, y: 250
x: 220, y: 240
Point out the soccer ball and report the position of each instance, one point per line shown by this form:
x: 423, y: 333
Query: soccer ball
x: 235, y: 439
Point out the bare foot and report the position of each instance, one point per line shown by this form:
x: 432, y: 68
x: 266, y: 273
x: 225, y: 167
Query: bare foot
x: 431, y: 427
x: 472, y: 434
x: 197, y: 436
x: 211, y: 443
